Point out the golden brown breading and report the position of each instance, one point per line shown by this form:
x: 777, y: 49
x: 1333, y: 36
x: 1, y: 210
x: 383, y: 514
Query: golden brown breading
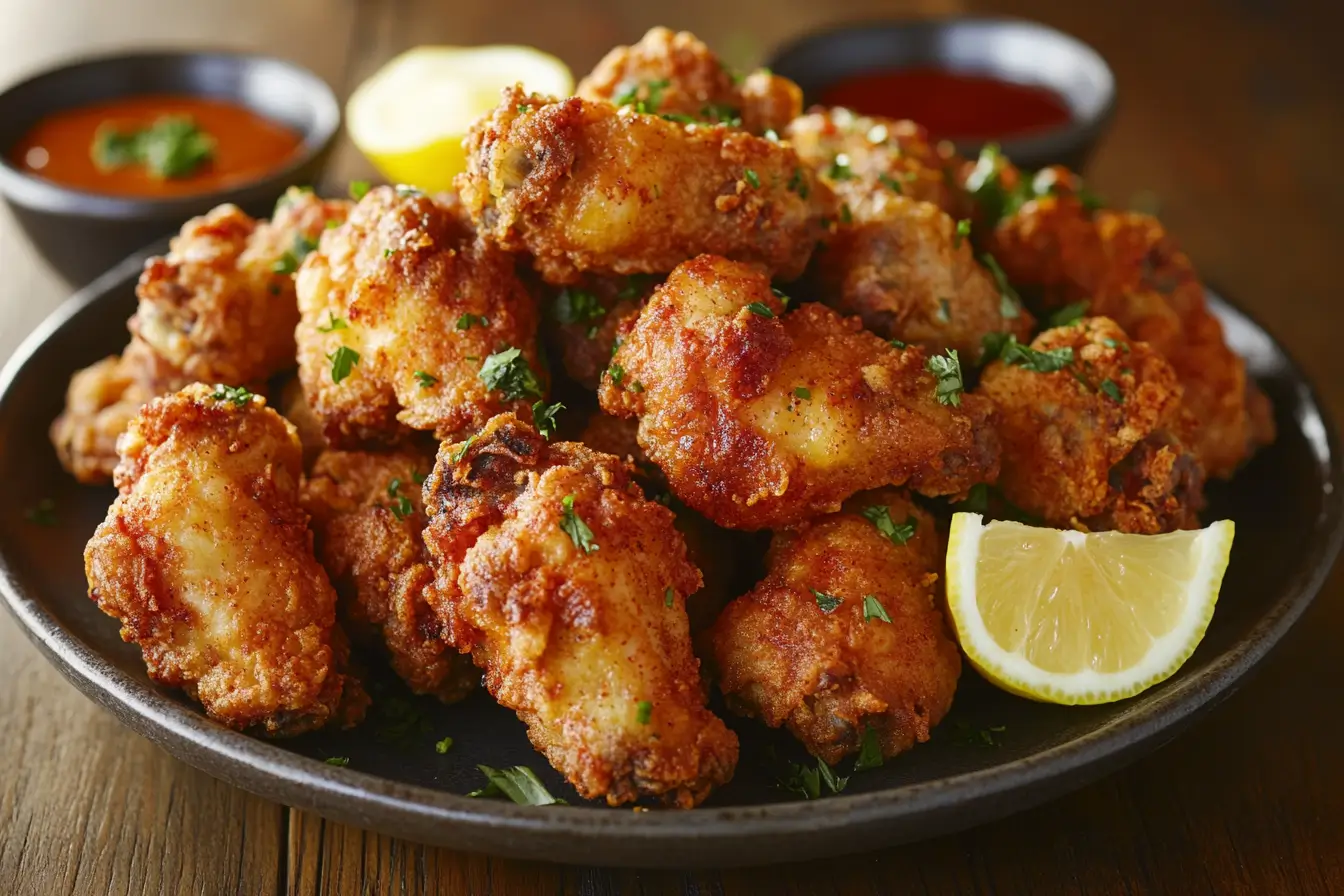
x: 761, y: 419
x: 674, y: 73
x: 99, y: 404
x: 424, y: 304
x: 588, y: 187
x: 582, y: 321
x: 569, y: 588
x: 220, y: 307
x: 904, y: 268
x: 1127, y: 268
x: 206, y: 560
x: 830, y: 675
x: 1097, y: 444
x: 368, y: 517
x: 293, y: 406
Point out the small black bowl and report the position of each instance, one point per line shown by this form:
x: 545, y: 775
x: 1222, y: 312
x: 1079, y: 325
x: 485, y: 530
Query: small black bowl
x: 1006, y: 49
x: 82, y: 234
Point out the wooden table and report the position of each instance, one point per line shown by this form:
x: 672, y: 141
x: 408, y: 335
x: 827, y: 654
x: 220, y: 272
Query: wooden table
x: 1232, y: 115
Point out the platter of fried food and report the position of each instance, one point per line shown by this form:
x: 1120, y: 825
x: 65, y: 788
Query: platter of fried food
x: 777, y: 473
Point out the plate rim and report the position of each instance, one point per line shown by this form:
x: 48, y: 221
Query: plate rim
x: 576, y: 834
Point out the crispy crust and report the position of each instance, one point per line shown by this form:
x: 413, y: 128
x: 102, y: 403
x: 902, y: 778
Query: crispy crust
x: 575, y: 641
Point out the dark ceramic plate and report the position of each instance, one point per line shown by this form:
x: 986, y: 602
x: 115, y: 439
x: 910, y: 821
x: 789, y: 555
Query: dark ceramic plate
x: 1287, y: 505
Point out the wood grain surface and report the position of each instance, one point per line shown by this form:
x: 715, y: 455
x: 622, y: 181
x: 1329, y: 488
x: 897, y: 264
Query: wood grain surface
x: 1231, y: 121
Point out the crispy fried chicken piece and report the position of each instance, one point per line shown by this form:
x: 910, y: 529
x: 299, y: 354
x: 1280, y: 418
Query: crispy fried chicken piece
x: 568, y: 587
x: 674, y: 73
x: 206, y: 560
x: 830, y: 674
x: 1100, y: 443
x: 368, y: 518
x: 1127, y: 268
x: 588, y: 187
x: 214, y: 309
x: 582, y: 321
x: 761, y: 419
x: 406, y: 287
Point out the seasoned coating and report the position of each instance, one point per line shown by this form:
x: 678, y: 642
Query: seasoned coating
x: 1127, y: 268
x: 588, y: 187
x: 569, y: 587
x: 582, y: 321
x: 905, y: 270
x: 716, y: 386
x: 206, y: 560
x: 1098, y: 444
x: 293, y: 406
x: 368, y: 517
x: 220, y: 306
x: 830, y: 676
x: 406, y: 285
x: 99, y: 404
x: 674, y: 73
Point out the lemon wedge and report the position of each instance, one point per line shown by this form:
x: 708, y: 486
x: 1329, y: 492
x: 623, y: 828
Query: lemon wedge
x: 1074, y: 617
x: 409, y: 118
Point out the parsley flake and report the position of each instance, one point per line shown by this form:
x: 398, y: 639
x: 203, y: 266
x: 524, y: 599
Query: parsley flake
x: 519, y: 784
x: 839, y: 168
x: 828, y: 603
x: 963, y: 231
x: 456, y: 456
x: 807, y: 782
x: 359, y: 189
x: 1113, y: 343
x: 880, y: 516
x: 616, y: 372
x: 1111, y: 391
x: 508, y: 372
x: 1005, y: 347
x: 341, y: 761
x: 752, y: 178
x: 443, y: 746
x: 947, y: 373
x: 644, y: 712
x: 669, y: 596
x: 1010, y: 304
x: 870, y: 751
x: 469, y: 320
x: 426, y: 380
x: 574, y: 526
x: 543, y: 417
x: 798, y: 183
x: 236, y: 394
x: 577, y: 306
x: 289, y: 262
x: 172, y: 147
x: 1068, y: 315
x: 803, y: 392
x: 761, y: 309
x: 343, y: 360
x: 890, y: 183
x: 333, y: 324
x: 873, y: 609
x: 896, y: 343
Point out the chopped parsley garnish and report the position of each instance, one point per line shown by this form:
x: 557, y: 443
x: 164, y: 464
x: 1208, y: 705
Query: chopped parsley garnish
x: 636, y: 285
x: 870, y: 751
x: 896, y: 343
x: 890, y: 183
x: 779, y: 294
x: 341, y: 761
x: 333, y: 324
x: 873, y: 609
x: 469, y: 320
x: 426, y: 380
x: 880, y: 516
x: 669, y: 596
x: 807, y: 781
x: 524, y: 108
x: 443, y: 746
x: 1113, y: 343
x: 43, y: 513
x: 343, y: 360
x: 172, y: 147
x: 574, y: 526
x: 636, y: 386
x: 722, y: 114
x: 543, y: 417
x: 1111, y: 391
x: 985, y: 184
x: 1068, y: 315
x: 419, y: 478
x: 507, y: 372
x: 293, y: 257
x: 1005, y: 347
x: 803, y: 392
x: 577, y: 306
x: 359, y: 189
x: 760, y: 308
x: 846, y: 216
x: 1010, y: 304
x: 839, y: 168
x: 393, y: 487
x: 401, y: 505
x: 752, y: 178
x: 519, y: 784
x: 827, y: 602
x: 947, y: 372
x: 236, y: 394
x: 616, y: 372
x: 644, y: 712
x: 798, y: 183
x: 653, y: 96
x: 456, y: 456
x: 963, y: 231
x: 680, y: 117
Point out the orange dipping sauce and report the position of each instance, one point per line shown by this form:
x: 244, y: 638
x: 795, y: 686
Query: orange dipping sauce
x: 951, y: 105
x: 246, y: 146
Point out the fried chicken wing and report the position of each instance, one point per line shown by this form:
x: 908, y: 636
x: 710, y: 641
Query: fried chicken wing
x: 761, y: 419
x: 1098, y: 443
x: 100, y: 402
x: 368, y: 517
x: 588, y: 187
x: 675, y: 74
x: 206, y: 560
x: 844, y: 633
x: 1127, y: 268
x: 568, y: 587
x: 402, y: 310
x: 583, y: 321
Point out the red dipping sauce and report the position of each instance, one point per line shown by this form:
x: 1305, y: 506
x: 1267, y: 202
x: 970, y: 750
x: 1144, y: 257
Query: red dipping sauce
x: 951, y: 105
